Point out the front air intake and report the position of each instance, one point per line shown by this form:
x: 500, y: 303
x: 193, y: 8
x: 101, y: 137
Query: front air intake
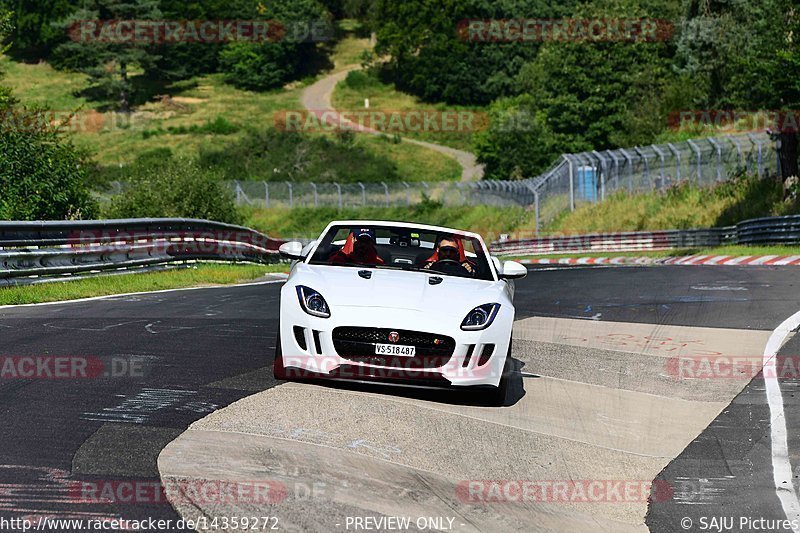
x: 486, y: 353
x: 300, y: 337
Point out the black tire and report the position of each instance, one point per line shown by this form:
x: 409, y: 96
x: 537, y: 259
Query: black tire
x: 497, y: 397
x: 278, y: 370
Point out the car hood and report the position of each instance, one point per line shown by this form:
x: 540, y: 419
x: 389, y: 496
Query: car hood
x: 342, y: 286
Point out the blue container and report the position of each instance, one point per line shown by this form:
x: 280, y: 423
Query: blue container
x: 587, y: 184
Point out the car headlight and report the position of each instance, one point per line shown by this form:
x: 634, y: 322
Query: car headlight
x: 312, y: 302
x: 481, y: 317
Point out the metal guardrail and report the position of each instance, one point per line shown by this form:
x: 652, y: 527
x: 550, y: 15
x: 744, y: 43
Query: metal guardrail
x: 764, y: 231
x: 618, y: 242
x: 771, y: 230
x: 59, y: 248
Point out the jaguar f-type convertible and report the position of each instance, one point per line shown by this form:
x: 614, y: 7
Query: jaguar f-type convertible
x: 400, y: 303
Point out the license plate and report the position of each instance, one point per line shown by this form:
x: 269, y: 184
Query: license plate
x: 395, y: 349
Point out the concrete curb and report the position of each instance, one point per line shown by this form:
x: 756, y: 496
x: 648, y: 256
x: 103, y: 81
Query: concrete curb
x: 689, y: 260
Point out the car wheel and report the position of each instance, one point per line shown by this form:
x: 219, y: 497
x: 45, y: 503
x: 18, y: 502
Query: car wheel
x: 497, y: 397
x: 278, y: 370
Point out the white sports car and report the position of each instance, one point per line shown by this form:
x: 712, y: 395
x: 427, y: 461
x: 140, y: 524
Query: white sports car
x: 400, y: 303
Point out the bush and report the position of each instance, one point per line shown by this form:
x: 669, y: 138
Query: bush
x: 269, y: 65
x: 177, y: 188
x: 272, y: 155
x: 218, y: 126
x: 258, y: 66
x: 517, y: 143
x: 358, y: 79
x: 42, y: 175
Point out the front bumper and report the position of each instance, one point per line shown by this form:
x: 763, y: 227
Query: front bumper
x: 478, y: 357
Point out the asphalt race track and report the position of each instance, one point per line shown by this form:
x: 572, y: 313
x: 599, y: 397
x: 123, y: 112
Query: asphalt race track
x: 596, y: 397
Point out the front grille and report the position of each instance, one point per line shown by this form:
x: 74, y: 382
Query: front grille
x: 358, y: 344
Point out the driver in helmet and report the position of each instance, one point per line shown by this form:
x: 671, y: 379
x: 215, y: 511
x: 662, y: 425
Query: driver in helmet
x: 450, y: 249
x: 359, y: 249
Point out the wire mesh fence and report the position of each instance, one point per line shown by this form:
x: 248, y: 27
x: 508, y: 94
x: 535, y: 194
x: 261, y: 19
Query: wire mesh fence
x: 572, y: 181
x: 590, y: 177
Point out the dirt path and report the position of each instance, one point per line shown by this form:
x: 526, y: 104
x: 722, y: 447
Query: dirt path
x: 317, y: 98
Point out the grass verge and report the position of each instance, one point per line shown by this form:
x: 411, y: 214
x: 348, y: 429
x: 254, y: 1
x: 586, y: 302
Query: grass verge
x: 196, y: 276
x: 682, y: 206
x: 488, y: 221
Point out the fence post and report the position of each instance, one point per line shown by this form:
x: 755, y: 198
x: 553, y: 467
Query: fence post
x: 716, y: 145
x: 363, y: 194
x: 314, y: 186
x: 630, y: 169
x: 735, y: 142
x: 657, y: 150
x: 571, y: 185
x: 461, y: 193
x: 603, y: 173
x: 699, y: 155
x: 536, y: 209
x: 238, y: 193
x: 266, y: 193
x: 291, y: 197
x: 408, y: 198
x: 646, y: 163
x: 613, y: 157
x: 386, y: 190
x: 757, y: 142
x: 677, y: 154
x: 339, y: 191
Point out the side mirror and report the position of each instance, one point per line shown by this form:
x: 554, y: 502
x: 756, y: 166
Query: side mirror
x: 513, y: 270
x: 307, y: 248
x: 292, y: 250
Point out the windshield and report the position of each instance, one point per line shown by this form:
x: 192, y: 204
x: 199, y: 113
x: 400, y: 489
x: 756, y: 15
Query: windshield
x: 403, y: 248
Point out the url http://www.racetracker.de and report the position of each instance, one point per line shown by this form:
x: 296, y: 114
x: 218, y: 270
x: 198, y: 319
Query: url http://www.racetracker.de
x: 46, y: 523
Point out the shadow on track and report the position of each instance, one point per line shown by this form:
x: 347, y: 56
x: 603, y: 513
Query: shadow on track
x: 477, y: 396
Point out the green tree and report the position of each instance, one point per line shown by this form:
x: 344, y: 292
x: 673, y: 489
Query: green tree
x: 42, y: 175
x: 518, y: 143
x: 35, y: 35
x: 585, y: 95
x: 428, y: 57
x: 743, y: 55
x: 268, y: 65
x: 184, y: 60
x: 108, y: 64
x: 176, y: 188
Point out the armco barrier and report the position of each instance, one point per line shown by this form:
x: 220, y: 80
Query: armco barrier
x: 57, y: 248
x: 772, y: 230
x: 763, y: 231
x: 618, y: 242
